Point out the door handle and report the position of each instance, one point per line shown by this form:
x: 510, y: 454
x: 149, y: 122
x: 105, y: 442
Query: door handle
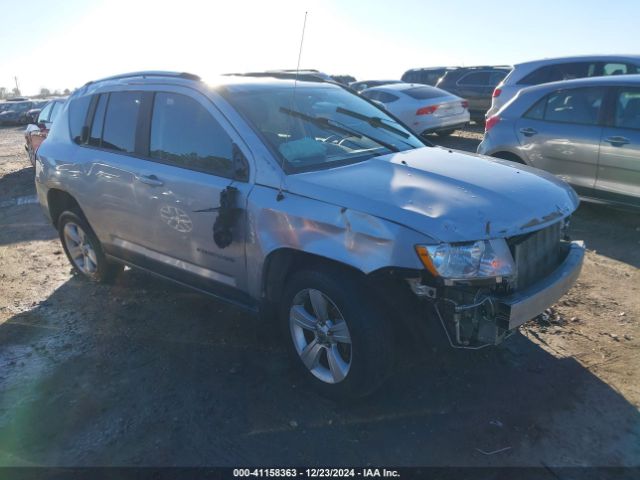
x: 151, y: 180
x: 617, y: 141
x: 528, y: 132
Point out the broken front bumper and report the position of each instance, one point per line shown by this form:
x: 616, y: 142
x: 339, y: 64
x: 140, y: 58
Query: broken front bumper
x: 522, y: 306
x: 491, y: 318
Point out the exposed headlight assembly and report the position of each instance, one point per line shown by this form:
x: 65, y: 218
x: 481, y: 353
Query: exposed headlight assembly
x: 468, y: 260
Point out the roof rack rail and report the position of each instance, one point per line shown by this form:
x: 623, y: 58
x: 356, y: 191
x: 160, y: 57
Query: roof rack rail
x: 308, y: 75
x: 151, y: 73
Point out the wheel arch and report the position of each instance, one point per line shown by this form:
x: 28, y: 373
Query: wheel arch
x: 282, y: 262
x: 58, y: 201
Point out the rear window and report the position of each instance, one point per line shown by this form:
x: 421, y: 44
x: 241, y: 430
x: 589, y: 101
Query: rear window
x: 78, y: 108
x: 424, y: 93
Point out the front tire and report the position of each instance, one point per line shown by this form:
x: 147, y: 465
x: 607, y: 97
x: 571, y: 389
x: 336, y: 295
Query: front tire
x: 84, y: 250
x: 340, y: 341
x: 445, y: 133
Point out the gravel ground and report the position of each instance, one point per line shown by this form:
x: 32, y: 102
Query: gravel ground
x: 146, y: 373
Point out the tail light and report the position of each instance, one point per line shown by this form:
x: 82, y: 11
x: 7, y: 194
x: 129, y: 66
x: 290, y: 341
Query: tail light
x: 491, y: 122
x: 427, y: 110
x: 496, y: 92
x: 464, y: 104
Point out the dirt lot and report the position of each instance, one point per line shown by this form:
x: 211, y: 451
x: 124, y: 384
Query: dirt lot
x: 145, y: 373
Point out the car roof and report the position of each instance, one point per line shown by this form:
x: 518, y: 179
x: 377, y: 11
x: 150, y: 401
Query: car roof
x: 611, y: 80
x: 578, y: 58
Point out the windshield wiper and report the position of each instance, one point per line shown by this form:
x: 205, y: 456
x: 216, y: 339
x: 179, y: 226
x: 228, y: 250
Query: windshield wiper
x: 375, y: 122
x: 337, y: 127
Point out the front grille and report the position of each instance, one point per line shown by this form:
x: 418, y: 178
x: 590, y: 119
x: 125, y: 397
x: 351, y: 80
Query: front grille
x: 536, y: 254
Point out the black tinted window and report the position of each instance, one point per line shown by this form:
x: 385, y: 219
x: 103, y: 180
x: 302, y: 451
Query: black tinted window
x: 120, y: 121
x: 77, y: 116
x: 475, y: 78
x: 558, y: 72
x: 580, y: 105
x: 384, y: 97
x: 424, y: 93
x: 628, y: 109
x: 98, y: 121
x: 185, y: 134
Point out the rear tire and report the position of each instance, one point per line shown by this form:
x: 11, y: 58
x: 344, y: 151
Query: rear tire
x: 350, y: 353
x: 445, y: 133
x: 83, y: 248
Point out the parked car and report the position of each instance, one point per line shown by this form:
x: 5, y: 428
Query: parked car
x: 36, y: 133
x: 321, y: 208
x: 343, y: 79
x: 14, y: 113
x: 364, y: 84
x: 424, y: 109
x: 426, y: 76
x: 585, y: 131
x: 556, y: 69
x: 474, y: 84
x: 31, y: 116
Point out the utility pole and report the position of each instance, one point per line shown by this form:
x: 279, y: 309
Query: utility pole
x: 17, y: 88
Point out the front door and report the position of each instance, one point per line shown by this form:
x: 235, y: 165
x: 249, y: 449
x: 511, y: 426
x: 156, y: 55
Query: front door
x: 192, y: 159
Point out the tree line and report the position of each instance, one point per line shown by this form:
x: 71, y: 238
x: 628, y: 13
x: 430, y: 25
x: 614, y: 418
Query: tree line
x: 6, y: 93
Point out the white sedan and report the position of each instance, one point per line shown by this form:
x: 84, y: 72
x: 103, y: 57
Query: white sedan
x: 423, y: 108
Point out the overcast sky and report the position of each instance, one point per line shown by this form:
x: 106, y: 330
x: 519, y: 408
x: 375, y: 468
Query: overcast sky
x: 63, y: 44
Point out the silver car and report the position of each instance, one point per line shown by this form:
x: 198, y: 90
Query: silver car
x: 307, y: 204
x: 423, y: 108
x: 585, y: 131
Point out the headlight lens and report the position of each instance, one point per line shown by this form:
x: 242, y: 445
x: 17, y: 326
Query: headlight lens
x: 481, y: 259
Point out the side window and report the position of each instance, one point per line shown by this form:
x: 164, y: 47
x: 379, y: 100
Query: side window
x: 537, y: 111
x: 77, y: 116
x: 538, y: 76
x: 95, y: 136
x: 119, y: 132
x: 183, y: 133
x: 386, y: 97
x: 57, y: 106
x: 373, y: 95
x: 628, y: 109
x: 477, y: 79
x: 44, y: 113
x: 568, y: 71
x: 580, y: 106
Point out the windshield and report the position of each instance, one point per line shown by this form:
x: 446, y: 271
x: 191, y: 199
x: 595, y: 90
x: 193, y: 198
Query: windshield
x: 316, y: 128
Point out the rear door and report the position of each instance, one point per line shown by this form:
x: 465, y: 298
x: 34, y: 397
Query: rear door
x: 561, y: 134
x: 619, y: 166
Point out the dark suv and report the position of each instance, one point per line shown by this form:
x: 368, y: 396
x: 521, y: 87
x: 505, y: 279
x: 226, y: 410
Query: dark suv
x: 426, y: 76
x: 475, y: 84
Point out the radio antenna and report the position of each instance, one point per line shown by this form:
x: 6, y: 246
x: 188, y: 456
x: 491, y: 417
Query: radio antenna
x: 293, y: 97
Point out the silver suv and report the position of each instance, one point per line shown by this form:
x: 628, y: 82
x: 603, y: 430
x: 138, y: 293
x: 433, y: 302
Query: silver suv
x: 304, y: 200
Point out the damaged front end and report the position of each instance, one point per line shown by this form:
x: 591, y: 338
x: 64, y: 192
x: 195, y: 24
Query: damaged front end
x: 514, y: 287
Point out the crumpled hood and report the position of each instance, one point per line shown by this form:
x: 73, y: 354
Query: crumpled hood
x: 448, y: 195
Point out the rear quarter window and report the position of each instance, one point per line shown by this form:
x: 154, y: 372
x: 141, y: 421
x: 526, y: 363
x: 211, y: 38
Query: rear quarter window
x: 78, y: 108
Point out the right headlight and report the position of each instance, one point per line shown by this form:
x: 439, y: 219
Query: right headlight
x: 468, y: 260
